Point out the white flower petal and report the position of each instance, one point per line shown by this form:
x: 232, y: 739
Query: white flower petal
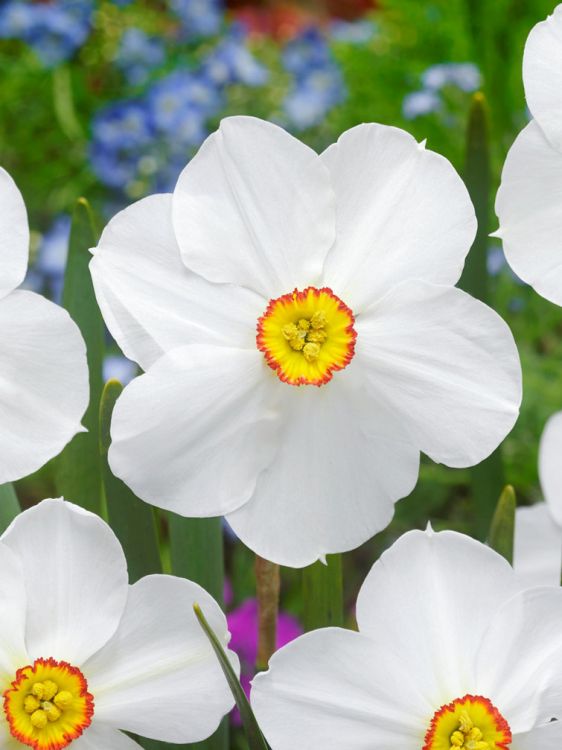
x: 14, y: 235
x: 545, y: 737
x: 255, y: 207
x: 528, y: 207
x: 448, y: 367
x: 101, y: 737
x: 542, y: 75
x: 537, y: 555
x: 428, y: 601
x: 43, y: 382
x: 519, y: 662
x: 333, y: 688
x: 159, y: 676
x: 13, y: 654
x: 403, y: 213
x: 341, y: 464
x: 550, y: 465
x: 193, y: 433
x: 75, y: 579
x: 7, y: 741
x: 151, y: 302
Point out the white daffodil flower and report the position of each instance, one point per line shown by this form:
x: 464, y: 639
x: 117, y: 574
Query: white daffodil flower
x: 44, y: 387
x: 528, y: 201
x: 84, y: 655
x: 451, y: 654
x: 301, y: 335
x: 538, y: 529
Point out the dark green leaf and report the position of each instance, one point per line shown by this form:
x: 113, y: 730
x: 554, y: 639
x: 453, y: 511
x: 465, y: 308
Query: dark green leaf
x: 78, y: 470
x: 9, y: 505
x: 322, y: 594
x: 487, y: 478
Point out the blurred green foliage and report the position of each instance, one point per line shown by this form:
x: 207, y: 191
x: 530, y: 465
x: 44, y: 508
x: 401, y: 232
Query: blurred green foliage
x: 44, y: 126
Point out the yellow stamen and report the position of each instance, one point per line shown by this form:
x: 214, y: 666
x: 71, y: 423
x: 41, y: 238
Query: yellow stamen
x: 39, y: 719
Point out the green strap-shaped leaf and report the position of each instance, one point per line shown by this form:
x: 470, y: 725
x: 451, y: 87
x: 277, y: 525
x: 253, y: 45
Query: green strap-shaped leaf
x: 254, y: 736
x: 9, y: 506
x: 322, y: 594
x: 487, y: 478
x: 132, y: 520
x: 78, y: 468
x: 502, y: 530
x: 197, y: 553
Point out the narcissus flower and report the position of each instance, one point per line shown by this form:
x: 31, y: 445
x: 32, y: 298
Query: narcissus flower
x: 84, y: 655
x: 451, y: 654
x: 528, y: 201
x: 43, y: 372
x: 302, y: 339
x: 538, y: 529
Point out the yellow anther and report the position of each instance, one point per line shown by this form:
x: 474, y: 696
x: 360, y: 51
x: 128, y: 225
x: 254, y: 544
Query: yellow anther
x: 63, y: 699
x: 318, y: 337
x: 38, y: 690
x: 465, y: 722
x: 457, y: 739
x: 52, y: 711
x: 475, y: 734
x: 304, y: 324
x: 311, y: 351
x: 290, y: 331
x: 318, y: 320
x: 39, y: 719
x: 30, y: 704
x: 297, y: 344
x: 51, y: 689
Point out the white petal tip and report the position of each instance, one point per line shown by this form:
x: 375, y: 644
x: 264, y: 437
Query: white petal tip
x: 323, y: 560
x: 422, y: 144
x: 497, y: 233
x: 429, y: 529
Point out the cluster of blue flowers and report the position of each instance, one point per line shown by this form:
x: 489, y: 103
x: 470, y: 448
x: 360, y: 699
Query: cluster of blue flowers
x: 55, y: 30
x: 318, y: 84
x: 141, y: 144
x: 464, y: 76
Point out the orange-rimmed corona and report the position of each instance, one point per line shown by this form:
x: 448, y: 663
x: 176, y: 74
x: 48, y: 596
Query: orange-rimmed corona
x: 48, y: 705
x: 306, y: 336
x: 469, y: 723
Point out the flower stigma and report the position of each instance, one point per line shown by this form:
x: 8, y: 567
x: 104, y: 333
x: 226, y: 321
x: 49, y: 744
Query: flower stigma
x: 48, y: 705
x: 306, y: 336
x: 469, y: 723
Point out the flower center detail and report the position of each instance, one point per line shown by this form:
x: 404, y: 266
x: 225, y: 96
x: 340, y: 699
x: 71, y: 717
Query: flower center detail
x: 48, y: 705
x: 306, y: 336
x: 469, y: 723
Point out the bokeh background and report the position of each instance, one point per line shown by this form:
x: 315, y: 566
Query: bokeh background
x: 109, y: 99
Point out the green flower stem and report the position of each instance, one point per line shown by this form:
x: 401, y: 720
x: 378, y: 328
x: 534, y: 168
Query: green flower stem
x: 132, y: 520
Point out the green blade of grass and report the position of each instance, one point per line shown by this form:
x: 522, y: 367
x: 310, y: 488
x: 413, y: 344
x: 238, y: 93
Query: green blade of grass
x: 132, y: 520
x: 78, y: 468
x: 487, y: 478
x: 323, y: 594
x: 254, y: 736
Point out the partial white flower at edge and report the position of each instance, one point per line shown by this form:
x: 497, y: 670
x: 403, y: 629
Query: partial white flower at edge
x: 301, y: 336
x: 538, y: 529
x: 44, y: 387
x: 84, y: 656
x: 451, y: 653
x: 528, y: 201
